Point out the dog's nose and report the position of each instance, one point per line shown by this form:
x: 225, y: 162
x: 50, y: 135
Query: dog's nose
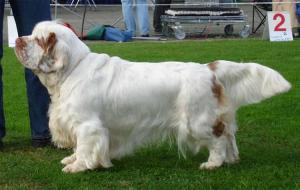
x: 20, y: 43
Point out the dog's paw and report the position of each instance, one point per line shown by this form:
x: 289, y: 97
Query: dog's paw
x: 68, y: 160
x: 232, y: 160
x: 74, y: 168
x: 209, y: 166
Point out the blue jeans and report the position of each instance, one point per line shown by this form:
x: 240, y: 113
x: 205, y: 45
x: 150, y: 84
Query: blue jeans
x: 141, y: 14
x: 27, y: 13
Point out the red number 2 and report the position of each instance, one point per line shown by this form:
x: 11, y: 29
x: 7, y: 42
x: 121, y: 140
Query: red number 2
x: 278, y: 27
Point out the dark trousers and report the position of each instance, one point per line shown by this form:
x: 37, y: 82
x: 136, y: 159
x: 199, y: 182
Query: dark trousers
x: 158, y: 11
x: 27, y: 13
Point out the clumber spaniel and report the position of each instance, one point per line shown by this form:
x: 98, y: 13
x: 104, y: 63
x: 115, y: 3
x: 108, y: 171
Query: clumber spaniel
x: 105, y: 107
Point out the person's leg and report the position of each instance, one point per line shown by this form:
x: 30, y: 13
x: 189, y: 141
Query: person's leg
x: 143, y: 17
x: 158, y: 11
x: 128, y: 16
x: 27, y: 14
x: 2, y: 121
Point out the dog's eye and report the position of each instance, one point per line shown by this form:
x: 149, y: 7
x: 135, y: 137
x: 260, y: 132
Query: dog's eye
x: 37, y: 40
x: 41, y: 43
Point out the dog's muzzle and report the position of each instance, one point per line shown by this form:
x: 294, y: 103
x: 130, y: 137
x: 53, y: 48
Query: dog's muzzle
x: 20, y: 44
x: 20, y: 48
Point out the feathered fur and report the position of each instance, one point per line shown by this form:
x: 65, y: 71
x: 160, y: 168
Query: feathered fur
x: 106, y: 107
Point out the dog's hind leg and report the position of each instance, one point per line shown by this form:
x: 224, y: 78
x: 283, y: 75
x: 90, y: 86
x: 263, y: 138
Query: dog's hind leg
x: 92, y: 149
x: 232, y: 152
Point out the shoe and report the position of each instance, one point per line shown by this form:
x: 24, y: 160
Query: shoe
x: 39, y: 143
x: 158, y: 30
x: 145, y: 35
x: 1, y: 145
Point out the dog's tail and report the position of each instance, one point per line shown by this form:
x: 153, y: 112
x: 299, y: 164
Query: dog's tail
x: 247, y: 83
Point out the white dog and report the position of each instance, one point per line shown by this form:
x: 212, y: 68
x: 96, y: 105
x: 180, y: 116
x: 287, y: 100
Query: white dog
x: 105, y: 107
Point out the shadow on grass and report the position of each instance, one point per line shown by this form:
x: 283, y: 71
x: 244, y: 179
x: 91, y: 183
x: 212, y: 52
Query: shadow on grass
x: 164, y: 157
x: 159, y: 158
x: 16, y: 145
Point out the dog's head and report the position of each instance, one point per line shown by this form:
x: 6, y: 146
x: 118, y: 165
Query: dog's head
x: 50, y: 48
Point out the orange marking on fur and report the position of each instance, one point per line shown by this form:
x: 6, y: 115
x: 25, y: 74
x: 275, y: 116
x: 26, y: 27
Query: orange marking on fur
x: 213, y: 66
x: 217, y: 90
x: 51, y: 41
x: 218, y: 128
x: 41, y: 43
x: 21, y: 43
x: 47, y: 45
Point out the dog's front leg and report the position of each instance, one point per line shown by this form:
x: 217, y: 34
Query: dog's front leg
x: 217, y: 153
x: 92, y: 148
x: 69, y: 159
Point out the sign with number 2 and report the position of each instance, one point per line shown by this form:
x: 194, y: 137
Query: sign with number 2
x: 280, y: 26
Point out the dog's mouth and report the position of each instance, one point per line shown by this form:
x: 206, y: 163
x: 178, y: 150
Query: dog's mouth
x: 21, y: 55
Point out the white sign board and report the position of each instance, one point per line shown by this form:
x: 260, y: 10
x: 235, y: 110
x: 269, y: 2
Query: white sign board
x: 12, y: 31
x: 280, y: 26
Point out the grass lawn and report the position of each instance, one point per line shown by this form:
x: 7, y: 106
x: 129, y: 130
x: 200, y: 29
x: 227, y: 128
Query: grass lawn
x: 268, y: 136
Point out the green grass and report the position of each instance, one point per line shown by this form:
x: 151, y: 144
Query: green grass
x: 268, y: 136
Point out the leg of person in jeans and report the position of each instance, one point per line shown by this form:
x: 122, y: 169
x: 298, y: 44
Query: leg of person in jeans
x: 128, y: 16
x: 27, y: 14
x: 2, y: 121
x: 158, y: 11
x: 143, y: 17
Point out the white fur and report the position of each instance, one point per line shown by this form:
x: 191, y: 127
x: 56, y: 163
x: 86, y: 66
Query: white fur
x: 105, y: 107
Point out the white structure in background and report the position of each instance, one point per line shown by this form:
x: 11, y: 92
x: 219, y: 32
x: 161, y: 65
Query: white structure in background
x: 90, y: 2
x: 12, y: 31
x: 280, y: 28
